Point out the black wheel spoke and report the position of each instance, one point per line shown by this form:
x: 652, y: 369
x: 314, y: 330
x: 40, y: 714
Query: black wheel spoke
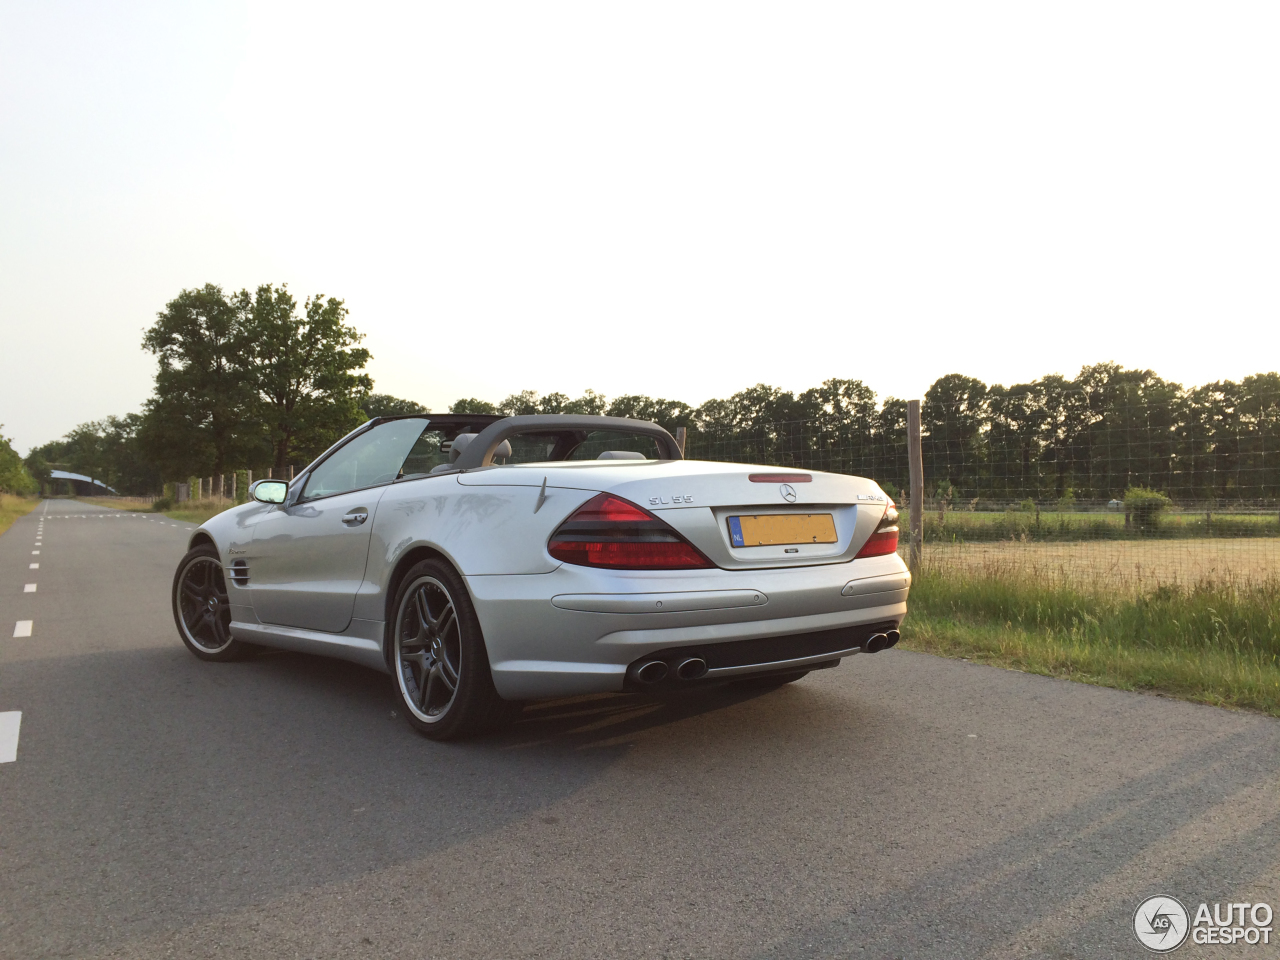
x: 424, y: 612
x: 204, y: 605
x: 448, y: 672
x: 428, y: 648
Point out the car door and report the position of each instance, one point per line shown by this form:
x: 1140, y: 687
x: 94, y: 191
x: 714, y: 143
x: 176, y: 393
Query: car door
x: 309, y: 555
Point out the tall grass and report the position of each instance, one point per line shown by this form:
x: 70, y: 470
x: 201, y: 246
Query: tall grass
x: 1213, y: 641
x: 13, y: 507
x: 198, y: 511
x: 974, y: 527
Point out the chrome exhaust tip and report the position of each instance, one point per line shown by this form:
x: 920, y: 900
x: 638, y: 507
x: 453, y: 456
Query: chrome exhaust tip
x: 876, y: 642
x: 652, y: 672
x: 894, y: 636
x: 692, y: 669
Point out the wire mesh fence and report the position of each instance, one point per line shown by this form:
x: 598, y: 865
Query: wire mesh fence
x: 1111, y: 493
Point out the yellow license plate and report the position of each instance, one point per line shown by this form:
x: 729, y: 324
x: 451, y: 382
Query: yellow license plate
x: 782, y: 528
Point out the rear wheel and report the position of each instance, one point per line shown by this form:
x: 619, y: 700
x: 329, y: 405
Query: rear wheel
x: 201, y: 608
x: 439, y: 660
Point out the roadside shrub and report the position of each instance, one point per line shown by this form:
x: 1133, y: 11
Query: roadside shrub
x: 1145, y: 506
x: 163, y: 504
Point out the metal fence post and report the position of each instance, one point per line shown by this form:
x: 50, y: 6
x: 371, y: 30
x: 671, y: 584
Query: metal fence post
x: 681, y: 435
x: 915, y: 460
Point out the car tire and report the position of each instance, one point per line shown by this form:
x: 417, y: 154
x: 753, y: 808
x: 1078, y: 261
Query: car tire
x: 201, y: 609
x: 440, y: 666
x: 773, y: 682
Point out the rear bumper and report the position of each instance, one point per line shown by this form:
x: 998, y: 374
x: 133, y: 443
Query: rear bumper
x: 575, y: 630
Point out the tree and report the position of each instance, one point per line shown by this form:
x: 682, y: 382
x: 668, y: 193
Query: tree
x: 384, y: 405
x: 14, y: 477
x: 195, y: 421
x: 668, y: 414
x: 521, y: 404
x: 952, y: 416
x: 305, y: 370
x: 472, y: 405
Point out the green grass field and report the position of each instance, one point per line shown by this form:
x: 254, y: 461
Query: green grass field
x: 11, y: 508
x: 978, y: 527
x: 191, y: 511
x: 1213, y: 642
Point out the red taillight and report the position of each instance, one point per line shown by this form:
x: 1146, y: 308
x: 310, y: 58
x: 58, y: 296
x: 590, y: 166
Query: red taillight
x: 879, y: 543
x: 780, y: 478
x: 608, y: 531
x: 885, y: 538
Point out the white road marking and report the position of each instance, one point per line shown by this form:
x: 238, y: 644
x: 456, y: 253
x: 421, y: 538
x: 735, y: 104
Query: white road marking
x: 35, y: 553
x: 33, y: 566
x: 23, y: 628
x: 29, y: 588
x: 10, y: 721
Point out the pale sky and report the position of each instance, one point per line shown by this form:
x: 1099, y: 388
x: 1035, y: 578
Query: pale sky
x: 677, y: 199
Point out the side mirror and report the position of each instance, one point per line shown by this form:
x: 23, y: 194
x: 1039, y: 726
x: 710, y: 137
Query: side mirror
x: 269, y: 491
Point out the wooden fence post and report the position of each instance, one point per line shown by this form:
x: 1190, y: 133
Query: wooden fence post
x: 916, y: 462
x: 681, y: 435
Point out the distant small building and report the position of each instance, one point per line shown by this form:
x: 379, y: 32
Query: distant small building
x: 83, y: 486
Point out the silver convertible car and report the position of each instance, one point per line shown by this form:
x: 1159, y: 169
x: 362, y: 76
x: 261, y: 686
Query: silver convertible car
x: 482, y: 561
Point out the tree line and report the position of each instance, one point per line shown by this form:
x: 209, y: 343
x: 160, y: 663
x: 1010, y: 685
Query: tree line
x: 1091, y: 437
x: 262, y: 381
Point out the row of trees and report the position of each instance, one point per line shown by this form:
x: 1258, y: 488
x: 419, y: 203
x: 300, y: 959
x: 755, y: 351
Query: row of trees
x: 1090, y: 437
x: 259, y: 380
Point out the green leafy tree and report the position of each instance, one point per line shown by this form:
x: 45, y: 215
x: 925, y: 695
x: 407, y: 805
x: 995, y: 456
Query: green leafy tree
x: 306, y: 371
x: 472, y: 405
x: 522, y: 404
x: 384, y: 405
x: 14, y: 477
x: 196, y: 419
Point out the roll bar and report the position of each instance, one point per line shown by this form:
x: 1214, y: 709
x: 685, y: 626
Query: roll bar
x: 479, y: 452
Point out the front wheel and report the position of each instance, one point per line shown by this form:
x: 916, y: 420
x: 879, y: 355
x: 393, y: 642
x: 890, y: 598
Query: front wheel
x: 201, y: 608
x: 439, y: 661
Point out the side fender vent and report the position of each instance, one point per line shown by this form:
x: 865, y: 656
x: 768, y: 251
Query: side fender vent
x: 240, y: 572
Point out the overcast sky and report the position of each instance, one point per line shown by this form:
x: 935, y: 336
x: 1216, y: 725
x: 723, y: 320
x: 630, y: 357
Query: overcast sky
x: 678, y: 199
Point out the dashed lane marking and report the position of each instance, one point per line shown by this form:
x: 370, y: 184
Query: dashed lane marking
x: 35, y: 553
x: 23, y: 628
x: 33, y: 566
x: 10, y: 721
x: 29, y: 588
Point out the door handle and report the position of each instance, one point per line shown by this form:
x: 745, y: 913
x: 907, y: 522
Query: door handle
x: 356, y: 517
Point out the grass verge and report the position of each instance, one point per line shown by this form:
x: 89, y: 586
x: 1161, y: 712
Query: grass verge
x: 1214, y: 642
x: 11, y: 508
x: 134, y: 504
x: 191, y: 511
x: 198, y: 511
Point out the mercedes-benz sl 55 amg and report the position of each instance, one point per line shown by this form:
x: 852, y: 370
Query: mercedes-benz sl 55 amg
x: 483, y: 561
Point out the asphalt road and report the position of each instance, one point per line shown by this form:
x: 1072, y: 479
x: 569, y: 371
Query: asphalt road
x: 898, y: 806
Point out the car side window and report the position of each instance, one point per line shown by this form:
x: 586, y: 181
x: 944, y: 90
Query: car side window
x: 370, y: 459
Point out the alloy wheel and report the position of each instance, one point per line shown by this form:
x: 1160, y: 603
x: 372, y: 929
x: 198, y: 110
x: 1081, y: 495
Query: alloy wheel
x: 203, y: 605
x: 428, y: 649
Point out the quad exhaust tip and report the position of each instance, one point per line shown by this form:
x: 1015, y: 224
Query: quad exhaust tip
x: 881, y: 641
x: 652, y: 672
x: 692, y: 669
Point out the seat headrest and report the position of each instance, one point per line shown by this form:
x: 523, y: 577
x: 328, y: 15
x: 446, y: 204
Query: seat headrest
x: 463, y: 440
x: 622, y: 455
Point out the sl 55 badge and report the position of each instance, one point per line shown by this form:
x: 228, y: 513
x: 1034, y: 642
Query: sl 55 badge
x: 662, y: 501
